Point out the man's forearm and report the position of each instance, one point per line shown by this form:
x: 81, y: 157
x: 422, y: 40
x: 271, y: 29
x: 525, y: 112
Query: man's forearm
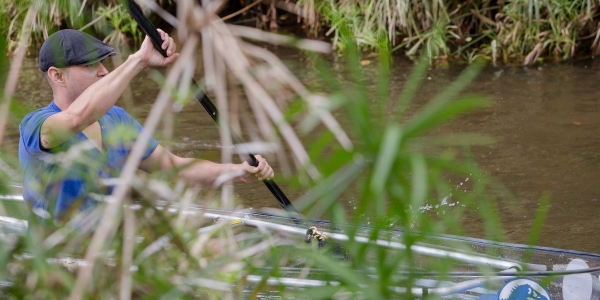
x: 96, y: 100
x: 91, y: 105
x: 204, y: 172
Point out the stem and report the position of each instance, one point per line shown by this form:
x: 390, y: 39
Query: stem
x: 15, y: 69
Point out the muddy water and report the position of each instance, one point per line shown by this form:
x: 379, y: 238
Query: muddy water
x: 545, y: 120
x: 547, y: 125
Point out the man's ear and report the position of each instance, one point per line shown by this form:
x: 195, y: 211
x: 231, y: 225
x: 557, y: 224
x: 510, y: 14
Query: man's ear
x: 57, y: 76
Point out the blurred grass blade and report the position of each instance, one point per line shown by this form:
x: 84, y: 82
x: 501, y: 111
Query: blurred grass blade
x: 435, y: 114
x: 329, y: 77
x: 383, y: 79
x: 419, y: 186
x: 329, y: 189
x: 322, y: 292
x: 456, y: 139
x: 537, y: 226
x: 347, y: 277
x: 386, y: 158
x: 465, y: 78
x: 411, y: 86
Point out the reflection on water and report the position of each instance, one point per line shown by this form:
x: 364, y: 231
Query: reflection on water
x: 545, y: 121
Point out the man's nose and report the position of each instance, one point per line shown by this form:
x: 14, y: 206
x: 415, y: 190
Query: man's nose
x: 102, y: 71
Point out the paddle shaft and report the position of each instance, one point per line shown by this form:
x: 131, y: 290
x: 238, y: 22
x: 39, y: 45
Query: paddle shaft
x: 151, y: 32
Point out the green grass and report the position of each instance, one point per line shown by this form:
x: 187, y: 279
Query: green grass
x: 563, y: 29
x: 15, y: 209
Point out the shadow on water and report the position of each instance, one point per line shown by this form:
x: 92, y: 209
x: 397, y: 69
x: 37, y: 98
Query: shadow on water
x: 545, y: 122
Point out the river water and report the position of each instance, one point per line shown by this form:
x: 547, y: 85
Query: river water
x: 545, y: 121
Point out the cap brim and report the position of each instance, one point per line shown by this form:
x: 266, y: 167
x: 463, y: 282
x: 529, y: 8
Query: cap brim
x: 100, y: 58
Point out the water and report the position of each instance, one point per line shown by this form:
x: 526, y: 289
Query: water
x: 546, y: 125
x: 545, y: 121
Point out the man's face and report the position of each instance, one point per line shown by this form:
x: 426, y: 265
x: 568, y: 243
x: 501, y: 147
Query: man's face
x: 79, y: 78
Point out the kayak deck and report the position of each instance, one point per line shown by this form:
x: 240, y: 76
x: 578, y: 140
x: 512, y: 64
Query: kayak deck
x: 480, y: 267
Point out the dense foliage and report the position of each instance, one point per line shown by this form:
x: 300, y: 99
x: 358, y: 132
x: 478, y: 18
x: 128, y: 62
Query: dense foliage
x: 514, y: 31
x: 521, y: 31
x: 103, y: 18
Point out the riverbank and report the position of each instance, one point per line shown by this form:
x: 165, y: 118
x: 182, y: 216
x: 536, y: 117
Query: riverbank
x: 503, y: 32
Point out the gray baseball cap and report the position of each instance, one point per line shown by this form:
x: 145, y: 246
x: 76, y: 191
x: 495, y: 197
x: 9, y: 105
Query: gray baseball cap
x: 70, y: 47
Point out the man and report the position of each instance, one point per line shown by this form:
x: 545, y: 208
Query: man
x: 67, y: 148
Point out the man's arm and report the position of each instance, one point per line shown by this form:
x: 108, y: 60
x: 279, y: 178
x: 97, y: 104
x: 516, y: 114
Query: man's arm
x: 204, y: 172
x: 99, y: 97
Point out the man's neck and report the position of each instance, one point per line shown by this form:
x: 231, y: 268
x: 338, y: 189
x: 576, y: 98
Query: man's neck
x: 62, y: 101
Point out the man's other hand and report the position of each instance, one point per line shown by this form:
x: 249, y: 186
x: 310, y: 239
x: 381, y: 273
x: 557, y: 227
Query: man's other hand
x: 262, y: 172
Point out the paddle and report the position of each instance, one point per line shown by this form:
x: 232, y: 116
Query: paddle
x: 151, y: 32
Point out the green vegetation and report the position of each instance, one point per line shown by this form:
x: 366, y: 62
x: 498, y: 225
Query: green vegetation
x: 388, y: 175
x: 109, y: 18
x: 514, y: 31
x: 118, y: 26
x: 509, y: 31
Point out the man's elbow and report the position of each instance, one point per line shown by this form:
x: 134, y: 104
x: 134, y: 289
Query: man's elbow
x: 74, y: 122
x: 170, y: 161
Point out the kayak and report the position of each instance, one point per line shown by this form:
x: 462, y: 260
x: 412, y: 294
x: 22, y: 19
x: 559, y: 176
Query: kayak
x: 481, y: 269
x: 569, y: 274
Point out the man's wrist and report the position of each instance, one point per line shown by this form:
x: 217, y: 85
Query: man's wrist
x: 137, y: 61
x: 241, y: 169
